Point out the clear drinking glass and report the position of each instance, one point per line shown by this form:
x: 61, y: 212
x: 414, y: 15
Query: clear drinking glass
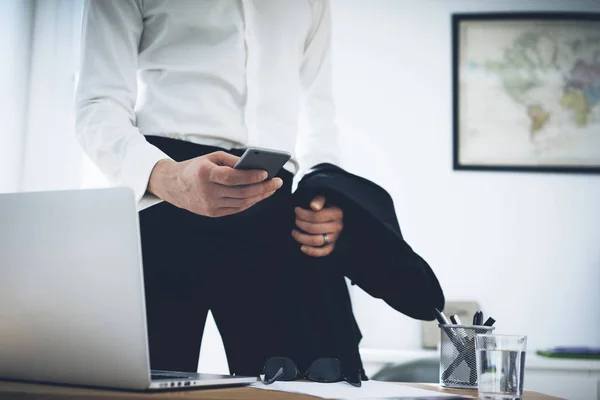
x: 500, y: 366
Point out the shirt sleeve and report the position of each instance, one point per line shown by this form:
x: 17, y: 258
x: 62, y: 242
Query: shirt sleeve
x: 106, y: 94
x: 318, y: 138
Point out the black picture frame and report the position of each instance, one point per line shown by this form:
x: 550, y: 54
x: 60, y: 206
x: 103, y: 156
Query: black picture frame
x: 459, y: 18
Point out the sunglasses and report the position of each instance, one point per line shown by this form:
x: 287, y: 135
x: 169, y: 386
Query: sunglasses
x: 324, y: 370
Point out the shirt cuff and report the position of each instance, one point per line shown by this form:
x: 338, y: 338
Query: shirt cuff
x: 136, y: 169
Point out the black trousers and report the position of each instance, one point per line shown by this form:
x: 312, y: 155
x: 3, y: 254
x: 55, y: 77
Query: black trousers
x: 230, y: 265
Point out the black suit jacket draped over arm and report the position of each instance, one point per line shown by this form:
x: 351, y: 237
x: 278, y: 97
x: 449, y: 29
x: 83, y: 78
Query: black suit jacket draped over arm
x: 317, y: 313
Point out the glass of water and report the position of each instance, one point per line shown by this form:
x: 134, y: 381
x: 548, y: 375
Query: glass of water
x: 500, y: 366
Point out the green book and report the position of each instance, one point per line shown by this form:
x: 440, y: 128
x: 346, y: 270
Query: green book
x: 580, y: 353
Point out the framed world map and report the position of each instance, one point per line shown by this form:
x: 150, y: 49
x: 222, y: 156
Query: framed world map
x: 526, y: 91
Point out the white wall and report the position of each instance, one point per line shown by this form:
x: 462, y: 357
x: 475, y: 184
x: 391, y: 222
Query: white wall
x: 52, y: 156
x: 526, y: 246
x: 15, y: 42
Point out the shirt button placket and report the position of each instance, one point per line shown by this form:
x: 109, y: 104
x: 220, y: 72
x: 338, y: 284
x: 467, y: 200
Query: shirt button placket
x: 249, y: 37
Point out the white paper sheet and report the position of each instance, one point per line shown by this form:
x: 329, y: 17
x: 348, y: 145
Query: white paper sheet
x: 342, y: 390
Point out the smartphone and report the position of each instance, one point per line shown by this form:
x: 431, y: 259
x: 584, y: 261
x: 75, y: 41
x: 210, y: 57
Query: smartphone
x: 268, y: 160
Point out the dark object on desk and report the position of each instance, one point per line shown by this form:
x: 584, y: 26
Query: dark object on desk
x: 489, y: 322
x: 324, y: 370
x: 315, y: 306
x: 582, y: 353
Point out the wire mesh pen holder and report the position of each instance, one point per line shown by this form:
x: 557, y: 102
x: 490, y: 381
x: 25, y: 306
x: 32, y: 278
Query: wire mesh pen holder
x: 458, y: 367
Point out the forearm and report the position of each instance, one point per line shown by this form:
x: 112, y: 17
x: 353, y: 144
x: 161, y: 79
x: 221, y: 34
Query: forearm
x: 164, y: 179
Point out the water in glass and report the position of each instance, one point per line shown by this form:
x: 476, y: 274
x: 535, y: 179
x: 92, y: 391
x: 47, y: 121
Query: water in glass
x: 501, y: 374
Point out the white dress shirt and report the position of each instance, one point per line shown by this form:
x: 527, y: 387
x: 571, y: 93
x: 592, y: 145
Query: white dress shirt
x: 216, y: 72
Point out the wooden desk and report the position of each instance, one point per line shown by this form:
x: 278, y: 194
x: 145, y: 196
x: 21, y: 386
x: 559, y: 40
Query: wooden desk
x: 16, y: 390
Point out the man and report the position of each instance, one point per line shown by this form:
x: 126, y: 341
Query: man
x: 169, y: 94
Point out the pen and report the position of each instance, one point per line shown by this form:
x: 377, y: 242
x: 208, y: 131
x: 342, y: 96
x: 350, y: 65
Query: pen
x: 454, y: 338
x: 440, y: 317
x: 475, y: 317
x: 455, y: 320
x: 480, y: 319
x: 490, y: 321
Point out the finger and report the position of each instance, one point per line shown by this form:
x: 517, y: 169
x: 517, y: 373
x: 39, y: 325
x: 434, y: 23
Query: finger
x: 314, y: 240
x: 327, y: 214
x: 234, y: 177
x: 243, y: 192
x: 245, y: 202
x: 318, y: 203
x: 318, y: 251
x: 319, y: 228
x: 222, y: 158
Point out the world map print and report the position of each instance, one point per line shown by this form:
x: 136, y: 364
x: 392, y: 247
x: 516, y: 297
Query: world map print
x: 530, y: 92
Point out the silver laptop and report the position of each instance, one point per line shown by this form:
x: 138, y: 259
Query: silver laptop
x: 72, y: 306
